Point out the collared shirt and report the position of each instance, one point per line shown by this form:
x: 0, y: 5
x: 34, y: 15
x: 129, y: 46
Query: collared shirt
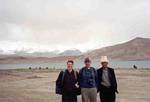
x: 105, y: 78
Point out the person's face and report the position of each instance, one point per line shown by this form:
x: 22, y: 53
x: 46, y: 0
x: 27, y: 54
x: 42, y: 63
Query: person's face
x: 87, y: 64
x: 69, y: 66
x: 104, y: 64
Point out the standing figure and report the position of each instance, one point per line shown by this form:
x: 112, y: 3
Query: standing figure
x: 107, y: 84
x: 88, y: 82
x: 66, y: 83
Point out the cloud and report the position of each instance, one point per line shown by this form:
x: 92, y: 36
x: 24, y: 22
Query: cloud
x: 62, y: 24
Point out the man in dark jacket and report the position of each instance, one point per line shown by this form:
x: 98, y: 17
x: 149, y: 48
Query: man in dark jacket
x: 66, y: 83
x: 107, y: 84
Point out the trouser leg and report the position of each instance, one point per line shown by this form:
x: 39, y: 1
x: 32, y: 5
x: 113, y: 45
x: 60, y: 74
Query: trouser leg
x: 84, y: 93
x: 69, y: 98
x: 107, y: 95
x: 92, y: 95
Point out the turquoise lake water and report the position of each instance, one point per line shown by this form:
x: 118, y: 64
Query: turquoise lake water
x: 78, y: 64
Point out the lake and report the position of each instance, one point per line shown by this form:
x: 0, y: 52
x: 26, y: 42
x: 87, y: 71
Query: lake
x: 78, y: 64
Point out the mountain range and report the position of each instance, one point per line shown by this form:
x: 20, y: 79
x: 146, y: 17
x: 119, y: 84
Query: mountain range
x: 135, y: 49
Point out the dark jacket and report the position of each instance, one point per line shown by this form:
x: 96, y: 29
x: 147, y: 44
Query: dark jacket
x: 64, y: 77
x: 112, y: 78
x: 88, y: 78
x: 69, y: 82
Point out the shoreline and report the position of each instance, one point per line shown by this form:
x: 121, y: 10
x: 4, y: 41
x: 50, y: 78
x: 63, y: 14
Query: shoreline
x: 55, y: 70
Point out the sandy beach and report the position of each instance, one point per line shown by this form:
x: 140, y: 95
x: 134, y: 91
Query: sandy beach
x: 39, y: 86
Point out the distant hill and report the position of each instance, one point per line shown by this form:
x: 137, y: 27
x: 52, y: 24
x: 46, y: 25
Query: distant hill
x: 38, y: 57
x: 8, y: 59
x: 36, y: 54
x: 71, y: 52
x: 49, y: 54
x: 136, y: 49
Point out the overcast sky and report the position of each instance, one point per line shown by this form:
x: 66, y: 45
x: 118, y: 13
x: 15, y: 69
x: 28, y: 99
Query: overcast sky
x: 63, y: 24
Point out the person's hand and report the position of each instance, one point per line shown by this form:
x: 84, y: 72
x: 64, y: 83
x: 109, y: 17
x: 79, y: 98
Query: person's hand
x: 76, y: 85
x: 117, y: 91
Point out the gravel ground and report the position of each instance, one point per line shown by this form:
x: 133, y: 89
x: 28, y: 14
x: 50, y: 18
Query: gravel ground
x: 36, y: 86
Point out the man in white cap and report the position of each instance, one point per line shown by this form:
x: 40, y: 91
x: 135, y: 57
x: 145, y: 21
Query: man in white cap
x: 107, y: 84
